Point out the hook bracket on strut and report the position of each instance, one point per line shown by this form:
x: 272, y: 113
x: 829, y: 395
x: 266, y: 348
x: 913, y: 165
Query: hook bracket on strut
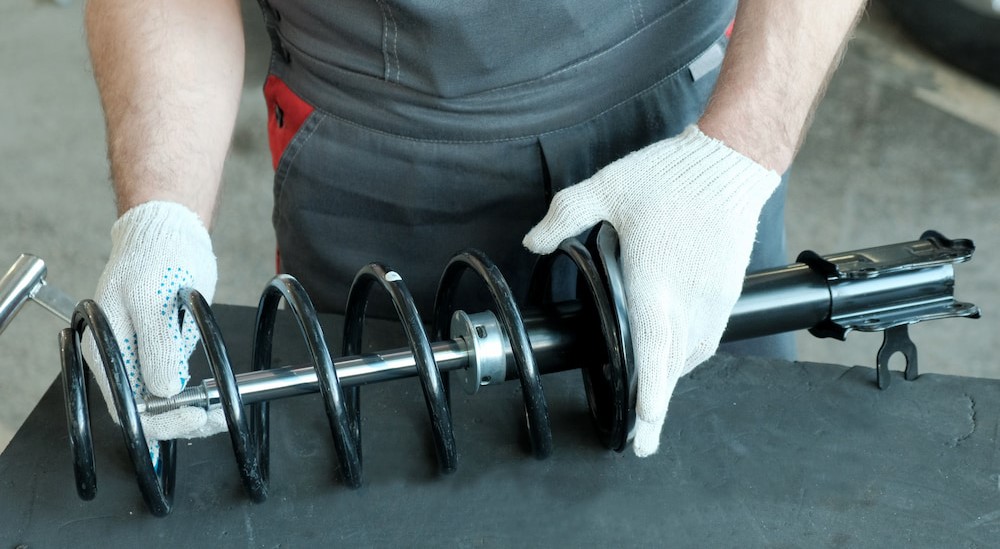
x: 854, y: 277
x: 897, y: 340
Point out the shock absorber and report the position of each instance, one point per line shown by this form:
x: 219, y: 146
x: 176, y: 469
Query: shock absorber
x: 876, y: 289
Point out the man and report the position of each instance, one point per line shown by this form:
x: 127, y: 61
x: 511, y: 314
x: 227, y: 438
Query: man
x: 404, y: 131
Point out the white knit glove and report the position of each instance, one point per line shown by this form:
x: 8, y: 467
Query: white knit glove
x: 686, y: 212
x: 157, y: 248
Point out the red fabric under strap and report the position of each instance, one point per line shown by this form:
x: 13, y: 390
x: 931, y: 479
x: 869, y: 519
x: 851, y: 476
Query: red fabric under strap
x: 286, y: 112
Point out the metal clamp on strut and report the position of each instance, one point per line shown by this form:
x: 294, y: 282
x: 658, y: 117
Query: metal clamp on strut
x: 876, y: 289
x: 882, y: 289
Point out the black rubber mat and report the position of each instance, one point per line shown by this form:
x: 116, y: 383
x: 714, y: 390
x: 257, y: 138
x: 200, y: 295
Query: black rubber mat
x: 756, y: 453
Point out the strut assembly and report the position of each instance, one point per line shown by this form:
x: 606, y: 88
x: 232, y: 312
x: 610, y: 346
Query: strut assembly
x: 876, y: 289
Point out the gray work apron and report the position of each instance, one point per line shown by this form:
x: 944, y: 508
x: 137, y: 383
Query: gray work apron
x: 404, y: 131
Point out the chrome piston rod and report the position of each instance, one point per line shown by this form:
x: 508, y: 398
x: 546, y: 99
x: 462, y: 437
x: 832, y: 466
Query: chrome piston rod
x: 876, y: 289
x: 482, y: 345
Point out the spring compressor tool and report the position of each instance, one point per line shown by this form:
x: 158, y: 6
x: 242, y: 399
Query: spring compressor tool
x: 876, y: 289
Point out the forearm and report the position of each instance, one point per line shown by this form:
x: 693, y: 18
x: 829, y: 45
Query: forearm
x: 169, y: 74
x: 778, y: 64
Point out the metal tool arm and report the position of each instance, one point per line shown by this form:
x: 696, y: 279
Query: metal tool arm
x: 25, y: 281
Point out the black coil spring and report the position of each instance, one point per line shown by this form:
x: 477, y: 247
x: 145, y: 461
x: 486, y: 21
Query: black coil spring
x: 609, y: 384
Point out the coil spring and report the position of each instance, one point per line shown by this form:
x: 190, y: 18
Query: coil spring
x: 609, y: 384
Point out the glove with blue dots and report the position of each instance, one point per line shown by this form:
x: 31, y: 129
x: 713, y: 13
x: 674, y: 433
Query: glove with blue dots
x: 157, y: 249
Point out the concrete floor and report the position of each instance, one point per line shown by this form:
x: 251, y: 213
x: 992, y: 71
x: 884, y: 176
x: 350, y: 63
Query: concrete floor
x: 902, y: 143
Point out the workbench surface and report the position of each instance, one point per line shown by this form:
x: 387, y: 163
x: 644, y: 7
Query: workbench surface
x: 756, y: 453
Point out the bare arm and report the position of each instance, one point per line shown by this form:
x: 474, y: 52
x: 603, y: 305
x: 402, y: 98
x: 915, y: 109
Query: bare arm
x: 169, y: 74
x: 779, y: 61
